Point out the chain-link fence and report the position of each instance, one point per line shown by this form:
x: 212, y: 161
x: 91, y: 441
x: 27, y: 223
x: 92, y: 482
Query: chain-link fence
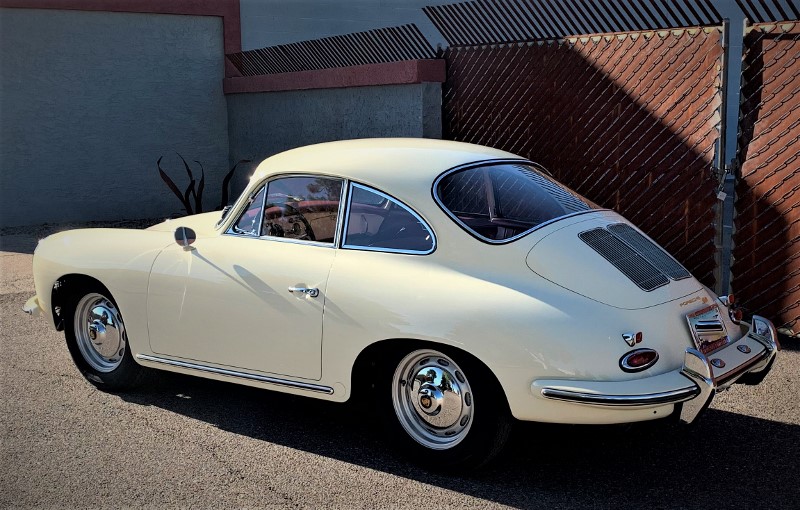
x: 766, y: 268
x: 630, y: 120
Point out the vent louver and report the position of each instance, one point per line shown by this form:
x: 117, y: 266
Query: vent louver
x: 638, y: 258
x: 653, y: 253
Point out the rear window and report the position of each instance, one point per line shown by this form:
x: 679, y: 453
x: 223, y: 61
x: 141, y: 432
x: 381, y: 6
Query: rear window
x: 500, y: 203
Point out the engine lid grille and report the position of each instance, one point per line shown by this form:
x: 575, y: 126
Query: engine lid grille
x: 649, y: 250
x: 635, y: 256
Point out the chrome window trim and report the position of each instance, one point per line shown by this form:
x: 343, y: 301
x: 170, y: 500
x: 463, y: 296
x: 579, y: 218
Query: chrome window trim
x: 295, y: 241
x: 341, y: 219
x: 263, y: 183
x: 494, y: 162
x: 240, y: 375
x: 346, y: 224
x: 230, y: 230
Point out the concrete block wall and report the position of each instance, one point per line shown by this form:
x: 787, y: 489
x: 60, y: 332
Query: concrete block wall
x: 90, y: 100
x: 93, y: 92
x: 261, y: 124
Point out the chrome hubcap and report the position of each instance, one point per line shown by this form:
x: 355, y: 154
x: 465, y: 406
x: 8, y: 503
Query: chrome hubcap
x: 100, y: 332
x: 432, y: 399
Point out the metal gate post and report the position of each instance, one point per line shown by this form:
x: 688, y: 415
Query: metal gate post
x: 725, y: 162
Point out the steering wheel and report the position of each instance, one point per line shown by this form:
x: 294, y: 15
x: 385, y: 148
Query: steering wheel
x: 301, y: 228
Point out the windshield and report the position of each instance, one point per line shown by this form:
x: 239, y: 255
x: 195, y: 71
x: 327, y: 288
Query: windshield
x: 499, y: 203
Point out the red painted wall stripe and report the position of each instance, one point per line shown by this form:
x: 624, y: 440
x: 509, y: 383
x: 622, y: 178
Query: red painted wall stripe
x: 390, y: 73
x: 228, y: 10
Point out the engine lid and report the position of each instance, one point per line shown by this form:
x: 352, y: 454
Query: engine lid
x: 605, y: 258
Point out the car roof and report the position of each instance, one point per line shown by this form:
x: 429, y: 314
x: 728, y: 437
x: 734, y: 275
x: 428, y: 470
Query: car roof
x: 381, y: 162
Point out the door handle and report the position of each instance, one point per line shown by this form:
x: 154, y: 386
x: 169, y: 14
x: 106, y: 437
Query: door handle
x: 312, y: 292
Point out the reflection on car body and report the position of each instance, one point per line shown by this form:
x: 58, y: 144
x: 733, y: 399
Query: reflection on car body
x: 449, y: 287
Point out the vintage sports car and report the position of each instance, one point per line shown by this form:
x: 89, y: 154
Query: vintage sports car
x: 449, y: 286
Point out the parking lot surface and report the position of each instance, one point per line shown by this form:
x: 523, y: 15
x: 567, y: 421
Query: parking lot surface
x: 185, y: 442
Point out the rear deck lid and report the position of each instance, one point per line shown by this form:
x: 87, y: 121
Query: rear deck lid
x: 605, y: 258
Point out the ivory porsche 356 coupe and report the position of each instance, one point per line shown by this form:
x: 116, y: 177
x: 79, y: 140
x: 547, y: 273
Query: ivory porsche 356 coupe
x: 452, y: 286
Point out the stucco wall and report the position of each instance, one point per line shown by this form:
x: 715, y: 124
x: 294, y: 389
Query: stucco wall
x: 90, y: 100
x: 265, y: 123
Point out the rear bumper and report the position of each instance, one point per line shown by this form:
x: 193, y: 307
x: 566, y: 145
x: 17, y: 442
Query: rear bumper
x: 693, y: 385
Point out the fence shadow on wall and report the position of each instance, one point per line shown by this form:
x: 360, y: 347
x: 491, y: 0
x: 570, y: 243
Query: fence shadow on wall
x: 628, y: 120
x: 766, y: 267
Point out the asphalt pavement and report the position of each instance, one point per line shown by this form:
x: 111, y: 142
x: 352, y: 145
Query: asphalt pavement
x: 183, y: 442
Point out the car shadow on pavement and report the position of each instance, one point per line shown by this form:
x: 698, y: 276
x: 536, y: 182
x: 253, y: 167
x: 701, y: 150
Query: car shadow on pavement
x: 724, y: 460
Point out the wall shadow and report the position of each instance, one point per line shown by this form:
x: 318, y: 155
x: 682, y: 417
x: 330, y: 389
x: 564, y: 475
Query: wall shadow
x: 628, y: 120
x: 725, y: 460
x: 631, y: 121
x: 766, y: 258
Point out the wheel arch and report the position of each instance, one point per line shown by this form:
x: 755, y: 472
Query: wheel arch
x: 65, y: 288
x: 375, y: 354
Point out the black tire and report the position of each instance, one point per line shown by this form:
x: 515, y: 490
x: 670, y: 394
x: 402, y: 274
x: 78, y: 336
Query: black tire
x: 112, y: 373
x: 483, y: 407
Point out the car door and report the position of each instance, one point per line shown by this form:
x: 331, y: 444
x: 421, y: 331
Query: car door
x: 252, y: 298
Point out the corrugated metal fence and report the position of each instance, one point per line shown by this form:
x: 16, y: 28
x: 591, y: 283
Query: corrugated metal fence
x: 766, y: 268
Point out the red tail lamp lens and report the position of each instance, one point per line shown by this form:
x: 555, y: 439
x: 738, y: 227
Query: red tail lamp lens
x: 736, y: 315
x: 639, y: 337
x: 731, y: 300
x: 638, y: 360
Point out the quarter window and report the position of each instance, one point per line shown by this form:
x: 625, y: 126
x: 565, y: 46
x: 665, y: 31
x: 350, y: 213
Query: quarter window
x: 378, y: 222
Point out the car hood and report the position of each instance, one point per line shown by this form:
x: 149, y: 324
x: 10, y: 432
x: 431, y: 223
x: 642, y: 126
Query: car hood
x: 566, y: 257
x: 203, y: 224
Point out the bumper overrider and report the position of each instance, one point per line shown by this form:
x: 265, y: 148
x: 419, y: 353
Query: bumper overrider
x: 747, y: 360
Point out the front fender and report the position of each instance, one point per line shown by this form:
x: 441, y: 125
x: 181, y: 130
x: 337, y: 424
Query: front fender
x: 119, y: 259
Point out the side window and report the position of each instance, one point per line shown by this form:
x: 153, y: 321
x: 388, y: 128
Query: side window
x: 249, y: 222
x: 303, y: 208
x: 377, y: 222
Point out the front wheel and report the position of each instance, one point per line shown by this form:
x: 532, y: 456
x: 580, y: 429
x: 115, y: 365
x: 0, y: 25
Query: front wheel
x: 453, y: 412
x: 98, y: 342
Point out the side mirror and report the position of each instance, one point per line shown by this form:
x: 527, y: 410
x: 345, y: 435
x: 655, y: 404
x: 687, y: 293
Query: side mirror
x: 185, y: 236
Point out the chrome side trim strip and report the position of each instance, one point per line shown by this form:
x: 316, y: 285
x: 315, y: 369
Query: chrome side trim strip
x: 241, y: 375
x: 666, y: 397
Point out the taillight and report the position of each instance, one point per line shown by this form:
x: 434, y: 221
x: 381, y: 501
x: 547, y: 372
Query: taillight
x: 640, y: 359
x: 733, y: 312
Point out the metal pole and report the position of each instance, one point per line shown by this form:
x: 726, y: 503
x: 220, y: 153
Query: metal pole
x: 725, y: 191
x: 729, y: 124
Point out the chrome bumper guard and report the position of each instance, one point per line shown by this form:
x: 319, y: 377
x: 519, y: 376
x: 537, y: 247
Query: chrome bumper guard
x: 696, y: 368
x: 31, y: 307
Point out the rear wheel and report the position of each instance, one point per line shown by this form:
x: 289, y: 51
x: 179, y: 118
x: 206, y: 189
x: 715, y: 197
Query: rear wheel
x: 98, y: 342
x: 449, y: 408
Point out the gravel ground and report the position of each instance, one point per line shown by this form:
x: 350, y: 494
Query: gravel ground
x: 187, y: 442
